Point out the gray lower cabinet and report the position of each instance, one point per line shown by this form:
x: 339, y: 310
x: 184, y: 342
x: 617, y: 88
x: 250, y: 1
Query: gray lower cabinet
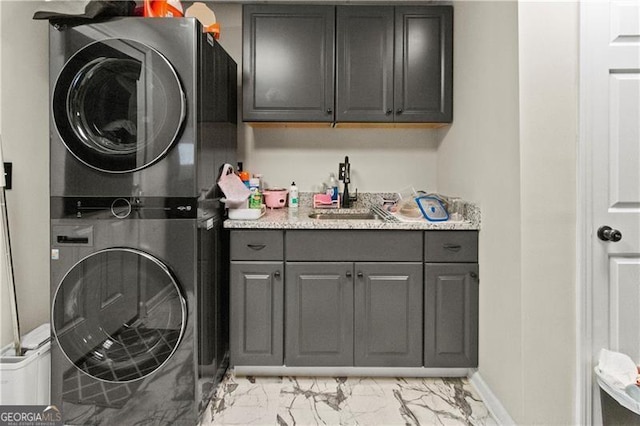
x: 362, y: 314
x: 256, y: 329
x: 319, y: 313
x: 388, y: 314
x: 256, y: 297
x: 451, y: 315
x: 350, y: 300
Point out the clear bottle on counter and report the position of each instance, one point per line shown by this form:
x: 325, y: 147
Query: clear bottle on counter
x: 260, y: 181
x: 332, y: 187
x: 293, y: 196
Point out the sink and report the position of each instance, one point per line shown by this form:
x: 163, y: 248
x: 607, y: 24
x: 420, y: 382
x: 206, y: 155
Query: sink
x: 345, y: 216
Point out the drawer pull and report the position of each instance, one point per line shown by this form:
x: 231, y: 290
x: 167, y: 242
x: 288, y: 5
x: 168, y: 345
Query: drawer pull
x: 256, y: 247
x: 452, y: 247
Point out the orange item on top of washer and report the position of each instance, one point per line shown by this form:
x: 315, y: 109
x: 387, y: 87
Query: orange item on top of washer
x: 163, y: 9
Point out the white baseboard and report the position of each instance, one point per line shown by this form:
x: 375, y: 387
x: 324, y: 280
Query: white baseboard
x: 248, y: 370
x: 492, y: 403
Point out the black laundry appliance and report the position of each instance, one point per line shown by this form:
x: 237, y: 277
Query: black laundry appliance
x: 139, y: 310
x: 143, y: 117
x: 140, y: 107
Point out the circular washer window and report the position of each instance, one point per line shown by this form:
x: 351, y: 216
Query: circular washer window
x: 118, y: 315
x: 118, y: 105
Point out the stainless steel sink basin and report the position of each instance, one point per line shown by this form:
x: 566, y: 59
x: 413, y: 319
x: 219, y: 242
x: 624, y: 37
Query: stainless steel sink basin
x: 344, y: 216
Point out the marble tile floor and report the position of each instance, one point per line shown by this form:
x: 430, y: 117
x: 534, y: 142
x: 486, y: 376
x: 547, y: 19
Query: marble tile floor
x: 289, y: 401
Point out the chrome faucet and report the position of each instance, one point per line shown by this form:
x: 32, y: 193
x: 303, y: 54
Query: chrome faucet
x: 344, y: 174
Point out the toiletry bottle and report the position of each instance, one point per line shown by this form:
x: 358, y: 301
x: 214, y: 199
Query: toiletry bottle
x: 293, y: 196
x: 260, y: 181
x: 255, y: 198
x: 244, y: 177
x: 332, y: 187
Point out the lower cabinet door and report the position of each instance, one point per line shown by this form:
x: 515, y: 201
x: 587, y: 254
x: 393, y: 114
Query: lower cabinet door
x: 388, y: 314
x: 256, y: 329
x: 319, y: 312
x: 451, y: 315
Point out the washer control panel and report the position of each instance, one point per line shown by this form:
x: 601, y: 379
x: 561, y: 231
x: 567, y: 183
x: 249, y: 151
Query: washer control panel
x: 124, y: 208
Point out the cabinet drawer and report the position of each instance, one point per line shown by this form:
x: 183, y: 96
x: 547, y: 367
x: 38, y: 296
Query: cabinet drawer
x: 256, y: 245
x: 354, y: 246
x: 451, y: 246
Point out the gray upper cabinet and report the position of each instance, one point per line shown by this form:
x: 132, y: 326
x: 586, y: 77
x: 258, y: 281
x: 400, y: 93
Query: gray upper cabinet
x: 394, y: 64
x: 423, y: 64
x: 288, y: 63
x: 391, y: 64
x: 364, y: 76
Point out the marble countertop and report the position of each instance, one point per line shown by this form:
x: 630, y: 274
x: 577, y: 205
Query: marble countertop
x: 286, y: 218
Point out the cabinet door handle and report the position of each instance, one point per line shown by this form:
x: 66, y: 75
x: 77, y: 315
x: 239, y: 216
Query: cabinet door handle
x: 348, y: 274
x: 360, y: 274
x: 389, y: 111
x: 452, y: 247
x: 256, y: 246
x: 399, y: 111
x: 473, y: 275
x: 276, y: 274
x: 329, y: 111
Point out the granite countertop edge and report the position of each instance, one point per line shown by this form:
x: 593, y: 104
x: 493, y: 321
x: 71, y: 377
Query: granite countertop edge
x: 286, y: 218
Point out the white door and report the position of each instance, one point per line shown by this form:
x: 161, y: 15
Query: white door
x: 610, y: 121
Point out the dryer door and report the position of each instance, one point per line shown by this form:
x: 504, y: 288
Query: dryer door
x: 119, y: 315
x: 118, y: 105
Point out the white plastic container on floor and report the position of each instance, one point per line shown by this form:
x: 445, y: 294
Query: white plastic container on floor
x: 25, y: 380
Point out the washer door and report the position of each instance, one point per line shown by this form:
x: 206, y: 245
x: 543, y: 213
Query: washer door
x: 118, y: 105
x: 118, y: 315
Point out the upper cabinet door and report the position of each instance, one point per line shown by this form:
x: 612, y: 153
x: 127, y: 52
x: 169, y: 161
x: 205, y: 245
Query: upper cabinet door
x: 288, y: 62
x: 364, y: 64
x: 424, y: 64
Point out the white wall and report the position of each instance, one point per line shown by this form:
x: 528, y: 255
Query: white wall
x: 382, y: 159
x: 5, y: 308
x: 478, y: 159
x: 24, y: 129
x: 512, y: 148
x: 548, y: 141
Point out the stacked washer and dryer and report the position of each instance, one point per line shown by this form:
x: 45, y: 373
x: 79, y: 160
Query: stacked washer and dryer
x: 143, y: 117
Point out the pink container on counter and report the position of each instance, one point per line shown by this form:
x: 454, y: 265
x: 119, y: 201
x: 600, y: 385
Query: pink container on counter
x: 275, y: 198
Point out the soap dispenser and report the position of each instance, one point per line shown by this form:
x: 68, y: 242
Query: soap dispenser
x: 293, y: 196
